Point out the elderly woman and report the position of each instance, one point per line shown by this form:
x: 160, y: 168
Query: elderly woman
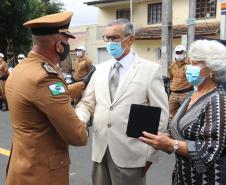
x: 198, y: 130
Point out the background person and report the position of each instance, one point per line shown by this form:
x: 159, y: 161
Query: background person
x: 20, y: 57
x: 82, y: 64
x: 198, y: 128
x: 43, y: 120
x: 124, y: 80
x: 3, y: 77
x: 179, y: 86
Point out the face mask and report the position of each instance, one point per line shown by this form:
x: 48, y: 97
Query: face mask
x: 180, y: 58
x: 79, y: 53
x: 20, y: 60
x: 115, y: 48
x: 64, y: 55
x: 193, y: 75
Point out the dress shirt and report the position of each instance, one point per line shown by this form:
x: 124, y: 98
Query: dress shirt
x: 126, y: 62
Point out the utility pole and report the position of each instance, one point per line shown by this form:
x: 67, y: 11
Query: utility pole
x: 131, y: 11
x: 223, y: 21
x: 191, y: 22
x: 167, y: 33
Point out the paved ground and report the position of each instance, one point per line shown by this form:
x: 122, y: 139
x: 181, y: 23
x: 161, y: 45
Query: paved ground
x: 159, y: 173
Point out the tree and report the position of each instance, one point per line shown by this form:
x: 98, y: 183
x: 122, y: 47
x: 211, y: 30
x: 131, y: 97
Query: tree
x: 14, y: 37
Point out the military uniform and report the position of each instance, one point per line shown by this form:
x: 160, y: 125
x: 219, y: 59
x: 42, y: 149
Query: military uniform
x: 3, y: 76
x: 179, y: 86
x: 81, y: 67
x: 43, y: 121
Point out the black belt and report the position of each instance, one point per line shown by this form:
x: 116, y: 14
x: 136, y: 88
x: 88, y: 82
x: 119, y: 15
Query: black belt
x: 184, y: 90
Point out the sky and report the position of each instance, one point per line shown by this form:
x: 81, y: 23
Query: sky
x: 83, y: 14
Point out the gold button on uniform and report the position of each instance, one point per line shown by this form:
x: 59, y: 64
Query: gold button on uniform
x: 109, y: 125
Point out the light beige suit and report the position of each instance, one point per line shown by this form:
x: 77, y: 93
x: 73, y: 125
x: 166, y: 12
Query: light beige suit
x: 142, y: 85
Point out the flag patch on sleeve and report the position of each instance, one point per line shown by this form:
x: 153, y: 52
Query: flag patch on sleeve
x: 57, y: 88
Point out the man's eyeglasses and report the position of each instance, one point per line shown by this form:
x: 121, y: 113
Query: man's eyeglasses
x: 112, y: 38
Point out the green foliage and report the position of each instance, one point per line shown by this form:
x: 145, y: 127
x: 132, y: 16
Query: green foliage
x: 14, y: 37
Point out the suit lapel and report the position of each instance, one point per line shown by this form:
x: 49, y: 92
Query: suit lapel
x: 128, y: 78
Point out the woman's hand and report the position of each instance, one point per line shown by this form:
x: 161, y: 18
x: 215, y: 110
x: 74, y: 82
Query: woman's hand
x: 162, y: 141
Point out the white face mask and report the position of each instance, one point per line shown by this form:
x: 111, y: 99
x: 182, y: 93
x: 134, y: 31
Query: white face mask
x: 20, y: 60
x: 180, y: 58
x: 79, y: 53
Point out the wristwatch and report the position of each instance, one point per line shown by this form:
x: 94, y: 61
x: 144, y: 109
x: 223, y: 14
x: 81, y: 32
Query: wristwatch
x: 175, y: 146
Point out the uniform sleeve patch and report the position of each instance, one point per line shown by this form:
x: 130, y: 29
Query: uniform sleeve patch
x: 57, y: 88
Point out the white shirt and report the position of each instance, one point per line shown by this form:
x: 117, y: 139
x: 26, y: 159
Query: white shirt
x: 126, y: 62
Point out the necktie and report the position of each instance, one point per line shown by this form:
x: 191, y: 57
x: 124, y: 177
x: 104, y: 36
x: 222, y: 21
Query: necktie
x: 114, y: 81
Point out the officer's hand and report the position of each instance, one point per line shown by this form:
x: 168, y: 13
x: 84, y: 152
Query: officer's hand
x: 87, y: 78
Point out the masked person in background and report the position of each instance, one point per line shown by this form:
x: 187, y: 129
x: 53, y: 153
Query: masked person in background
x: 82, y: 64
x: 20, y: 57
x: 179, y: 86
x: 4, y: 73
x: 198, y: 130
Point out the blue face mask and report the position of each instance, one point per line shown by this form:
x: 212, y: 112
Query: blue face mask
x: 193, y: 75
x: 115, y: 48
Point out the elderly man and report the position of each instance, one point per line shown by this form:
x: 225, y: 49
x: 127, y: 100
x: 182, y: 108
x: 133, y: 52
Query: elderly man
x: 3, y: 76
x: 43, y: 121
x: 124, y: 80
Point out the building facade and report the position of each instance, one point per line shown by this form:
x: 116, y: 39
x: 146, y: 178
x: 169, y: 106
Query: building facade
x: 146, y: 16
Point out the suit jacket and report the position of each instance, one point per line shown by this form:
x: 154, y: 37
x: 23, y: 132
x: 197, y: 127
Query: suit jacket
x: 142, y: 85
x: 43, y: 123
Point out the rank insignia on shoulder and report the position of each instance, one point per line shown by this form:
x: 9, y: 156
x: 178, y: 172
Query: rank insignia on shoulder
x: 57, y: 88
x: 49, y: 69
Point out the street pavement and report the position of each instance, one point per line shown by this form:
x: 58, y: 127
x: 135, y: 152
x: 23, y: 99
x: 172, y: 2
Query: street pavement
x: 80, y: 169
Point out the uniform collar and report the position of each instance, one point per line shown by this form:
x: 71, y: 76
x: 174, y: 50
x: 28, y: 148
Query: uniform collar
x: 41, y: 58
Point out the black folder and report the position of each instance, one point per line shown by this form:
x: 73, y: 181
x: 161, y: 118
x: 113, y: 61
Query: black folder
x: 143, y: 118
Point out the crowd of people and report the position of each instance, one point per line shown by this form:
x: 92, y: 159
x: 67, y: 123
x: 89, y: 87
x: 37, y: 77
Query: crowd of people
x: 192, y: 123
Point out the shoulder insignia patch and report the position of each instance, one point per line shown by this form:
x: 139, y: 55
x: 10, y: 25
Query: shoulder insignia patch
x: 50, y: 69
x: 57, y: 88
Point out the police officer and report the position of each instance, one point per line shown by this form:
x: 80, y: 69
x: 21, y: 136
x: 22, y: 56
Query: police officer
x: 44, y: 123
x: 20, y: 57
x: 82, y: 64
x: 179, y: 85
x: 3, y: 76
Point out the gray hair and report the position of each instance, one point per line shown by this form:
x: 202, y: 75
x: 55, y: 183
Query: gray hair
x: 213, y: 54
x: 128, y: 26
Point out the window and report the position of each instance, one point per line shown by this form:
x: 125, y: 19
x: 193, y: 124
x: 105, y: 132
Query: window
x: 205, y: 9
x: 154, y: 13
x: 123, y: 14
x: 158, y: 53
